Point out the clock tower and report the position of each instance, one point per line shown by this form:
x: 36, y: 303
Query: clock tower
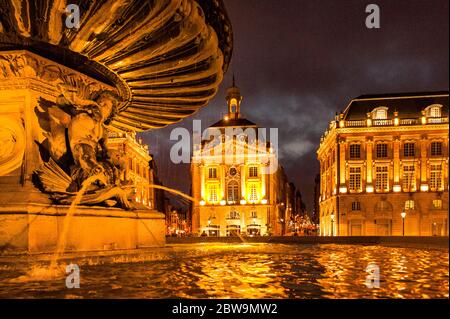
x: 234, y: 99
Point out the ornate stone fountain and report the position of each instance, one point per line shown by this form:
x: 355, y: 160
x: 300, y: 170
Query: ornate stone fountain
x: 131, y: 65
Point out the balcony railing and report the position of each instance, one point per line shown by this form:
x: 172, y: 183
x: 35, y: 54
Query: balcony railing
x: 410, y: 122
x: 383, y: 122
x: 356, y: 123
x: 437, y: 120
x: 391, y: 122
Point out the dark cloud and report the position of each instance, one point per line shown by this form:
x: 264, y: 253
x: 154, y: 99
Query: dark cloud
x: 299, y: 62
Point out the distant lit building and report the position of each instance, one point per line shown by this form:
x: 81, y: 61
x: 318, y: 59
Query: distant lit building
x: 177, y: 223
x: 384, y: 164
x: 137, y: 165
x: 237, y: 197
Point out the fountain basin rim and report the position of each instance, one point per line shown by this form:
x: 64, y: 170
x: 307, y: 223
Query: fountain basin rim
x: 82, y: 211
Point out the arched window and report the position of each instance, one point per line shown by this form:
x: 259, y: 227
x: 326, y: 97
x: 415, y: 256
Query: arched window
x: 383, y: 206
x: 233, y: 191
x: 434, y: 110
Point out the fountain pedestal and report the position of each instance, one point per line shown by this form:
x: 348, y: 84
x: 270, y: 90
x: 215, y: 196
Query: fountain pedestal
x: 35, y: 228
x: 29, y: 220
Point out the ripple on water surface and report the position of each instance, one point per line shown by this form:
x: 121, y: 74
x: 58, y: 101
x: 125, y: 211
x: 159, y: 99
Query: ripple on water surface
x: 240, y: 271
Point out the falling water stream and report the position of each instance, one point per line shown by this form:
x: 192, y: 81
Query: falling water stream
x: 62, y: 238
x: 53, y: 271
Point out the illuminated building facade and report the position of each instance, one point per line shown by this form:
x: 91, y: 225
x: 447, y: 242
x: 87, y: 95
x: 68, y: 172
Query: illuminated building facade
x: 136, y: 162
x: 235, y: 193
x: 384, y: 167
x: 177, y: 222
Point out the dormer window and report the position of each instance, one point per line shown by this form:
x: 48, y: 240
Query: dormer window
x: 434, y: 110
x: 380, y: 113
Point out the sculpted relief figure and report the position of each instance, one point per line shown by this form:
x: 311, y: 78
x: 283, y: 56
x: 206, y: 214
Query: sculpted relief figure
x: 77, y: 139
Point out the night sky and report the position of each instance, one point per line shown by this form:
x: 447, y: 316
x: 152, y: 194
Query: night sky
x: 298, y: 62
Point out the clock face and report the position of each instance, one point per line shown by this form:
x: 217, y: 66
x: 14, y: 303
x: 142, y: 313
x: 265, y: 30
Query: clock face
x: 233, y: 171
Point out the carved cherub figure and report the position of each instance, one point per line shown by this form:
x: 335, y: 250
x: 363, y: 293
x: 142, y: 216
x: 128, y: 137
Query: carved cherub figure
x: 78, y: 126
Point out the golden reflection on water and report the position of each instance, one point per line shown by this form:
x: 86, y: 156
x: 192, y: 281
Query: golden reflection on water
x: 244, y: 271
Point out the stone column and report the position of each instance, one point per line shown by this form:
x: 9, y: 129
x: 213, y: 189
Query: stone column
x: 396, y: 159
x: 342, y: 173
x: 423, y: 162
x: 369, y: 162
x: 243, y: 174
x: 223, y: 186
x: 202, y: 181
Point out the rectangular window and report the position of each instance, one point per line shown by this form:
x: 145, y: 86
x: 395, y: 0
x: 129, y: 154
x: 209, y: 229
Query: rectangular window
x: 437, y: 203
x: 355, y: 179
x: 382, y: 150
x: 254, y: 215
x: 436, y: 177
x: 436, y: 148
x: 381, y: 178
x: 233, y: 192
x: 409, y: 178
x: 130, y: 163
x: 234, y: 215
x: 253, y: 171
x: 435, y: 111
x: 356, y: 206
x: 253, y: 193
x: 409, y: 204
x: 212, y: 172
x: 213, y: 193
x: 355, y: 151
x: 409, y: 150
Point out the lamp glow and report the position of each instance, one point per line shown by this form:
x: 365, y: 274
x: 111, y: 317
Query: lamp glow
x: 343, y: 189
x: 202, y: 203
x: 424, y: 188
x: 397, y: 188
x: 396, y: 121
x: 243, y: 202
x: 223, y: 202
x: 264, y: 201
x: 369, y: 189
x: 424, y: 120
x: 403, y: 214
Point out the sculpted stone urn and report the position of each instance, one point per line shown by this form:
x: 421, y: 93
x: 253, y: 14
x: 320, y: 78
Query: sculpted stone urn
x: 128, y: 66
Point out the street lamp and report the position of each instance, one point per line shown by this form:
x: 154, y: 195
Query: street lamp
x: 403, y: 214
x: 332, y: 222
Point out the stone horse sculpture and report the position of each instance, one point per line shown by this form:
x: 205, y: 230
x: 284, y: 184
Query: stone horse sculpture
x: 77, y: 145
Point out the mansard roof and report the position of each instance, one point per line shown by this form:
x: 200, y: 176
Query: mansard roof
x: 408, y: 105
